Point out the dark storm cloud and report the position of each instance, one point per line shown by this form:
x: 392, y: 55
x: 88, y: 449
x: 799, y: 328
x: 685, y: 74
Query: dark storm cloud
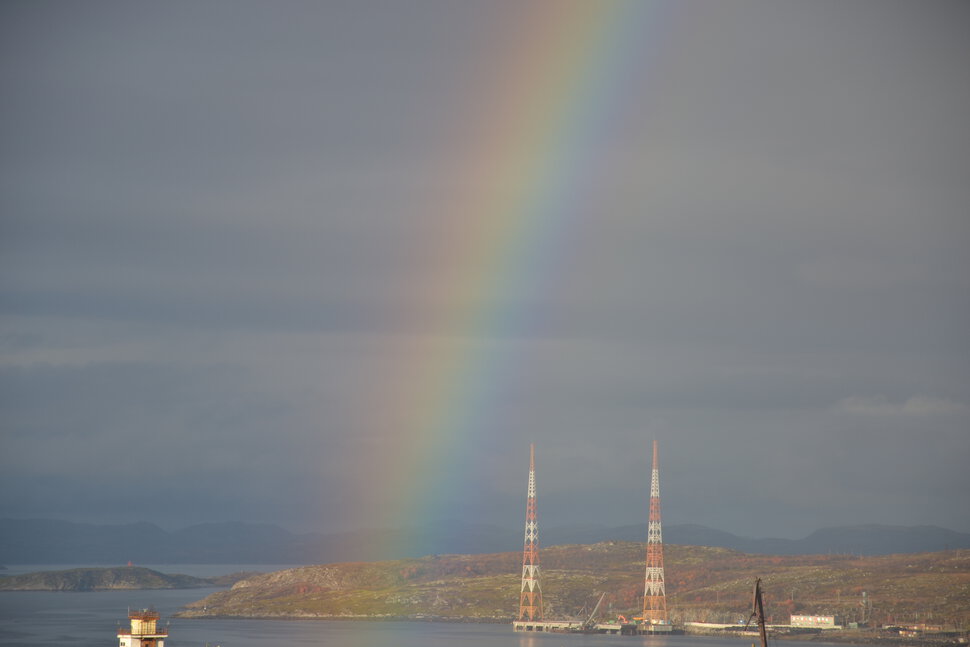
x: 215, y: 214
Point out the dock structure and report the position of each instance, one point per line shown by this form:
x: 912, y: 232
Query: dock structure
x: 580, y: 627
x: 553, y: 626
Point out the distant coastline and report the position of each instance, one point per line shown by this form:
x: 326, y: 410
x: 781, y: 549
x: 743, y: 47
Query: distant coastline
x: 707, y: 585
x: 112, y: 578
x: 464, y: 588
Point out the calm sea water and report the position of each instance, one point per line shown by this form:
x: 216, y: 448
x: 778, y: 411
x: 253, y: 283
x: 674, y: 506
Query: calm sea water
x: 34, y: 618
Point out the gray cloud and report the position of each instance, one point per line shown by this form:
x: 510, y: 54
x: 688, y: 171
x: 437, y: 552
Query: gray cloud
x: 221, y: 240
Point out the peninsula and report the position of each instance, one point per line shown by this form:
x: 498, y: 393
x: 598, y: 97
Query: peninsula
x: 111, y: 578
x: 710, y: 585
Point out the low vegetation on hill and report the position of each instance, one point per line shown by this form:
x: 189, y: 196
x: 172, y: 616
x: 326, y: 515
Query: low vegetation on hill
x: 703, y: 584
x: 110, y: 578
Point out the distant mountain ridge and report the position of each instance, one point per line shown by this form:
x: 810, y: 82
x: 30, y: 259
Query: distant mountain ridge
x: 871, y: 539
x: 45, y: 541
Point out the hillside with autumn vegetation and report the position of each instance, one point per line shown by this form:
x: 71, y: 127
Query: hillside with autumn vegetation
x: 703, y: 584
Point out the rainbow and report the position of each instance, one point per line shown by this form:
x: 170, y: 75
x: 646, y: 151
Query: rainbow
x: 516, y: 200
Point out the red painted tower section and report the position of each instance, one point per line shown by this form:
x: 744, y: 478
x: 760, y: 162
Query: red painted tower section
x: 654, y: 597
x: 530, y: 597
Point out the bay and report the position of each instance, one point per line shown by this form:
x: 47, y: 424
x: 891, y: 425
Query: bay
x: 91, y: 619
x: 33, y: 619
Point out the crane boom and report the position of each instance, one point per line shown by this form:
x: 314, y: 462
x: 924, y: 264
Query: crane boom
x: 589, y: 620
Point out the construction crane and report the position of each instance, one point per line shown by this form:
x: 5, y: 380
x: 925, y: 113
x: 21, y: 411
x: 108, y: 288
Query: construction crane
x: 758, y: 611
x: 590, y: 620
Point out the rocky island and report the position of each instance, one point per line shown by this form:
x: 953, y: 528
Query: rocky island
x: 111, y: 578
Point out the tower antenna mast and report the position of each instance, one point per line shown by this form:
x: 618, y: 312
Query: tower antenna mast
x: 654, y: 596
x: 530, y: 597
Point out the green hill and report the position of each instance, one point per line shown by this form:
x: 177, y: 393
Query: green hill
x: 703, y: 584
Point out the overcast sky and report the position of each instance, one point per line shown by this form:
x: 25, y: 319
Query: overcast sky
x: 232, y: 232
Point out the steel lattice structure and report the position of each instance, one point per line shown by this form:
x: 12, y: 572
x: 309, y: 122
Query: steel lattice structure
x: 654, y: 597
x: 530, y: 597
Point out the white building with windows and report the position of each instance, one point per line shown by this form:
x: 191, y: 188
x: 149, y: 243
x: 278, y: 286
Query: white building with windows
x: 144, y: 630
x: 816, y: 622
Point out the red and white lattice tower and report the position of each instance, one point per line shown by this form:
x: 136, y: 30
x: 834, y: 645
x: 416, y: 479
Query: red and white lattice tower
x: 654, y: 597
x: 530, y: 597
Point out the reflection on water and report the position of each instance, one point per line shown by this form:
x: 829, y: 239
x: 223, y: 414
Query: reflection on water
x: 602, y: 640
